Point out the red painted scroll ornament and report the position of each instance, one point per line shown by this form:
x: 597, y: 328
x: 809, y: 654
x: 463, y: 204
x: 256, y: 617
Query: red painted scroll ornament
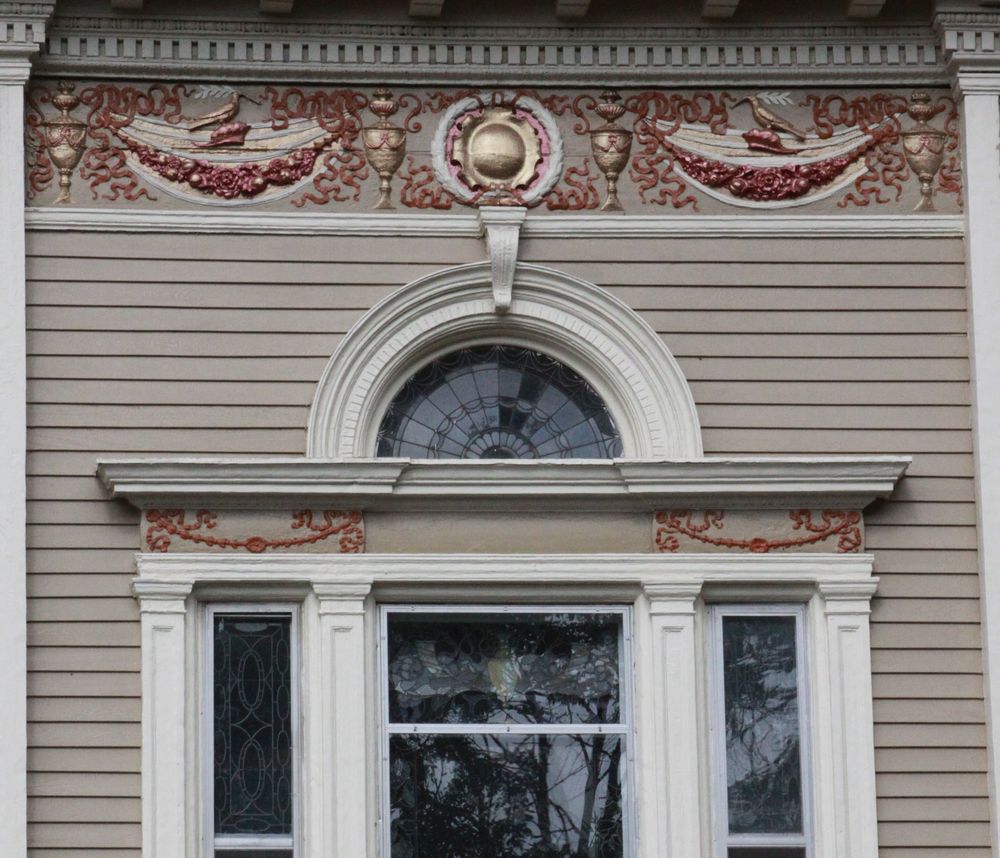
x: 167, y: 523
x: 842, y: 524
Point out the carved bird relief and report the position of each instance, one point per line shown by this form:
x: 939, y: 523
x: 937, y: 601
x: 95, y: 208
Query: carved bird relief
x: 767, y: 118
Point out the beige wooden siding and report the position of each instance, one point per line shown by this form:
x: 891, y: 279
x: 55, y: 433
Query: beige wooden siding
x: 185, y: 345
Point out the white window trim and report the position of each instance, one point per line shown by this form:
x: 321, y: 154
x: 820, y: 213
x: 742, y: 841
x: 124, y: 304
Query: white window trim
x: 207, y: 728
x: 339, y: 594
x: 626, y: 727
x: 722, y: 840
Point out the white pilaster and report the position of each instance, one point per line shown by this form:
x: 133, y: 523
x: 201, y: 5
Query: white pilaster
x: 22, y: 34
x: 162, y: 607
x: 339, y: 822
x: 676, y: 770
x: 843, y: 676
x: 979, y: 92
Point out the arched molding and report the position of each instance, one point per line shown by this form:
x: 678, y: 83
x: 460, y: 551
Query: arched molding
x: 570, y: 319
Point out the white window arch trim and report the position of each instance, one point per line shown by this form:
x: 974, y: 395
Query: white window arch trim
x: 567, y: 318
x: 339, y: 595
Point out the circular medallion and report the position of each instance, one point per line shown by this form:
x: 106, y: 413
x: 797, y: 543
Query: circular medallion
x: 498, y: 150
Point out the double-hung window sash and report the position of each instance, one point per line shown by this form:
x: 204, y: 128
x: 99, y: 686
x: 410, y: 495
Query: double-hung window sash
x: 760, y: 741
x: 506, y: 732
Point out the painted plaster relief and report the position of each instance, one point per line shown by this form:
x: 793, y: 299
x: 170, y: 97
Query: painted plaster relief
x: 204, y: 530
x: 640, y: 151
x: 758, y: 532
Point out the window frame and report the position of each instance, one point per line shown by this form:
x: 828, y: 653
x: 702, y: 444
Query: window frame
x: 626, y: 727
x: 279, y: 843
x: 722, y: 839
x: 669, y: 595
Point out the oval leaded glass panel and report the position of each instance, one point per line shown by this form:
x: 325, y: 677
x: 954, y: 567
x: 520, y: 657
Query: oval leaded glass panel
x: 498, y: 402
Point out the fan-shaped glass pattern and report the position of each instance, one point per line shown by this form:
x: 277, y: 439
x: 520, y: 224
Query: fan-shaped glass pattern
x: 498, y: 402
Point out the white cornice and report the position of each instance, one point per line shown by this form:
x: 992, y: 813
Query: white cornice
x: 489, y: 55
x: 22, y: 32
x: 971, y: 48
x: 466, y: 224
x: 360, y: 569
x: 549, y: 485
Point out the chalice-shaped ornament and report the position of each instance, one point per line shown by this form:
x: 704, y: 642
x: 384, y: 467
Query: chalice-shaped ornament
x: 385, y: 144
x: 65, y: 138
x: 611, y: 145
x: 924, y: 148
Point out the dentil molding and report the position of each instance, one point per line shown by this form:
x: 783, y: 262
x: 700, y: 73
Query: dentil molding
x: 488, y: 55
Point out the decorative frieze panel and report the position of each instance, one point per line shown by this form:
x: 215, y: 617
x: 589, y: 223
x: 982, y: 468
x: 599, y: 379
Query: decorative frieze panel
x: 639, y: 151
x: 759, y: 531
x: 172, y: 530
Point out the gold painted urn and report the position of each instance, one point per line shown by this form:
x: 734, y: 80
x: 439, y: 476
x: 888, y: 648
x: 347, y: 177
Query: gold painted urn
x: 385, y: 144
x: 924, y: 148
x: 611, y: 145
x: 65, y: 138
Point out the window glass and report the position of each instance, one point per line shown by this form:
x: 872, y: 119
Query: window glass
x: 761, y: 731
x: 252, y: 733
x: 497, y: 402
x: 499, y: 669
x: 762, y: 725
x: 507, y: 734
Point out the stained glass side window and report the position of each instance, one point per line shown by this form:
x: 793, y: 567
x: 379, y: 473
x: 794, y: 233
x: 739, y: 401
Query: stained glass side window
x: 507, y: 733
x: 498, y: 402
x: 759, y: 732
x: 252, y: 733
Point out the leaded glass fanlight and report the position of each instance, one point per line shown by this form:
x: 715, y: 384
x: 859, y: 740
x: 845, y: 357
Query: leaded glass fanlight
x: 498, y: 402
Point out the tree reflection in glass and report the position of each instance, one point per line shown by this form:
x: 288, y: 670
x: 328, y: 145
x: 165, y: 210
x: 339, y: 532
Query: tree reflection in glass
x: 489, y: 796
x: 762, y: 724
x: 460, y: 784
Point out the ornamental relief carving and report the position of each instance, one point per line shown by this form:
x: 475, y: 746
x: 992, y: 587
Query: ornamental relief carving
x: 638, y: 151
x: 758, y: 532
x: 327, y: 531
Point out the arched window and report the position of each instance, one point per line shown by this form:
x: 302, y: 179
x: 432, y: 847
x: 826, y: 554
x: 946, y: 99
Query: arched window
x: 609, y: 364
x: 498, y: 402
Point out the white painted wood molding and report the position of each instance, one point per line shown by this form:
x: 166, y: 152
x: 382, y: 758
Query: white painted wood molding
x: 624, y: 359
x: 572, y: 8
x: 980, y: 109
x: 162, y: 614
x: 339, y: 594
x: 467, y: 225
x: 719, y: 8
x: 502, y: 227
x: 426, y: 8
x: 343, y: 720
x: 865, y: 8
x: 845, y: 718
x: 551, y: 484
x: 677, y: 767
x: 152, y: 47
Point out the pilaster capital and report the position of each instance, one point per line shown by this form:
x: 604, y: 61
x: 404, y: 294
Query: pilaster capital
x: 674, y: 597
x: 970, y: 39
x: 848, y: 597
x: 342, y: 597
x: 161, y: 597
x: 22, y: 34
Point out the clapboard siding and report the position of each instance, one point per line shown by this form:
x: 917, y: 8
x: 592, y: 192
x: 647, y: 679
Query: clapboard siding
x: 201, y: 345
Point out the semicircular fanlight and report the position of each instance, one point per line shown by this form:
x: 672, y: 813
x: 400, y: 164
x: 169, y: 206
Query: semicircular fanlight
x: 498, y: 402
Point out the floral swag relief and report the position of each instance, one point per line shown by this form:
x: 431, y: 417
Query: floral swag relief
x: 222, y: 145
x: 165, y: 524
x: 675, y: 529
